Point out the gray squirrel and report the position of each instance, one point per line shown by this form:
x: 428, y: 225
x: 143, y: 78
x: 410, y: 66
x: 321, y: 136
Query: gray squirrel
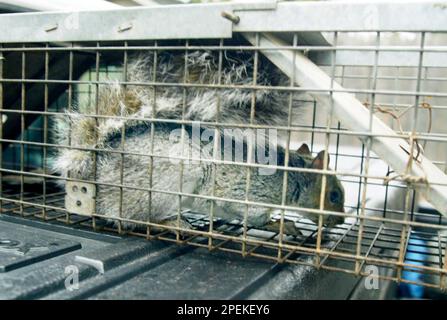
x: 122, y: 106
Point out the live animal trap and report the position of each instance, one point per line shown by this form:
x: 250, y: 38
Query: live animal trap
x: 100, y: 112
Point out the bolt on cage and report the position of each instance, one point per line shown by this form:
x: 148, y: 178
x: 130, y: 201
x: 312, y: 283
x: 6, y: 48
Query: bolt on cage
x: 375, y: 97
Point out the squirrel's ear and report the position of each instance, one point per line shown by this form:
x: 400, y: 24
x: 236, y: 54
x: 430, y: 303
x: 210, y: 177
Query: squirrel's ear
x: 304, y: 149
x: 318, y: 162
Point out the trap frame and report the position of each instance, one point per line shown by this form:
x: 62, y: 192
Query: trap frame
x: 359, y: 73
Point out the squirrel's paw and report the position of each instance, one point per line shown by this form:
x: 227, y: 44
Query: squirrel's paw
x: 289, y: 227
x: 183, y: 223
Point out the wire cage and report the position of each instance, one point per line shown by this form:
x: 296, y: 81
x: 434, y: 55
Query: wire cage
x: 370, y: 91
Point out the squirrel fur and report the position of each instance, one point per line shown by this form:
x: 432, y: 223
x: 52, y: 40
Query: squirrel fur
x: 121, y: 106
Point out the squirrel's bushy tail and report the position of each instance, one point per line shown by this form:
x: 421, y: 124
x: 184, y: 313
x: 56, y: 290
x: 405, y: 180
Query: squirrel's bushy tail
x: 193, y: 86
x: 203, y: 93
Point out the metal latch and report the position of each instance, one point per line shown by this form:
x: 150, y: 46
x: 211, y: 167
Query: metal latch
x: 80, y: 197
x: 248, y: 6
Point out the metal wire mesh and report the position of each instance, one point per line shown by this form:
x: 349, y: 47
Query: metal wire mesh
x: 385, y: 218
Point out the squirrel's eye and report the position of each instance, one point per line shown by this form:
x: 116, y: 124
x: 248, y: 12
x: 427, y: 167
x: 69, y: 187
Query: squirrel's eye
x: 334, y: 196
